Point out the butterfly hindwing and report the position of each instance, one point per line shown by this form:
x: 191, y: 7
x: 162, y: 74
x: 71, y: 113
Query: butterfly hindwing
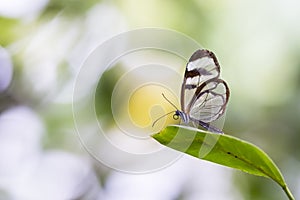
x: 209, y: 101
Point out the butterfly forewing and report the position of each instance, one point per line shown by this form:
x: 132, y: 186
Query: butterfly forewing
x: 202, y: 66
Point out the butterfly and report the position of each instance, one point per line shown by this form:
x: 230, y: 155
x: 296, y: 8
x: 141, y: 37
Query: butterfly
x: 204, y: 96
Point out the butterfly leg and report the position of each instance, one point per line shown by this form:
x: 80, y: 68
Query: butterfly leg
x: 210, y: 127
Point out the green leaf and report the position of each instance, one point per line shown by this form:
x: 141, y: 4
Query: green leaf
x: 222, y: 149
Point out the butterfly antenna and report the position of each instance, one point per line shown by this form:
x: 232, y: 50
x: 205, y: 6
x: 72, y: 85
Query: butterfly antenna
x: 161, y: 117
x: 169, y: 101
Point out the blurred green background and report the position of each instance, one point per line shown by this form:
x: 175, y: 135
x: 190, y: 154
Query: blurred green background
x: 43, y: 44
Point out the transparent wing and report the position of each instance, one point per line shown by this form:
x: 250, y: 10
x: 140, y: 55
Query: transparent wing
x: 209, y: 101
x: 202, y: 66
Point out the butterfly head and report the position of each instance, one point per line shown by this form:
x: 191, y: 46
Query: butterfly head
x: 185, y: 118
x: 176, y: 115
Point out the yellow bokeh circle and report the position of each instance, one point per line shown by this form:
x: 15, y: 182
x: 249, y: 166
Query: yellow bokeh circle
x: 146, y: 104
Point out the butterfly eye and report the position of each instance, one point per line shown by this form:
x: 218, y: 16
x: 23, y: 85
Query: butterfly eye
x: 175, y: 117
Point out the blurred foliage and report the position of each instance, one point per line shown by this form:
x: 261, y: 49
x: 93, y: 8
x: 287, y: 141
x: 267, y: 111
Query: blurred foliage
x: 6, y: 101
x: 68, y: 7
x: 189, y: 18
x: 103, y: 96
x: 8, y: 30
x: 59, y: 135
x: 273, y: 126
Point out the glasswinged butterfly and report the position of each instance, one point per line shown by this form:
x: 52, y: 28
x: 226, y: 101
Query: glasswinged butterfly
x: 204, y: 96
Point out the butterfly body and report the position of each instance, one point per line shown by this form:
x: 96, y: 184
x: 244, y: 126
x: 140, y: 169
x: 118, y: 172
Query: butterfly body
x: 186, y: 119
x: 204, y: 96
